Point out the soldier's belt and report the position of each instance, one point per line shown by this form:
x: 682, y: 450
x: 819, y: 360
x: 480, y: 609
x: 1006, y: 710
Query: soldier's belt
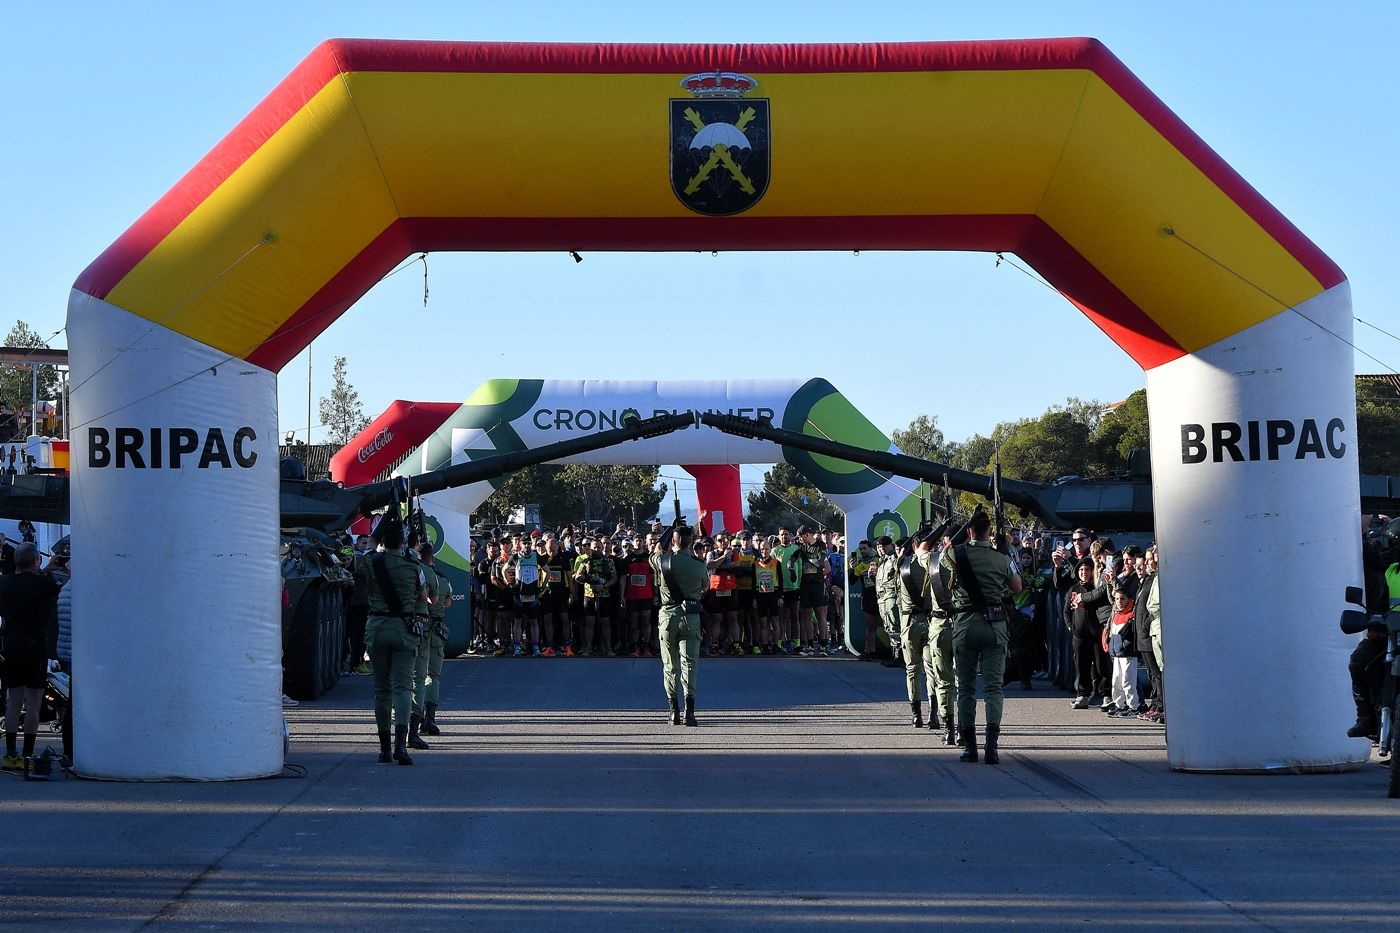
x: 991, y: 613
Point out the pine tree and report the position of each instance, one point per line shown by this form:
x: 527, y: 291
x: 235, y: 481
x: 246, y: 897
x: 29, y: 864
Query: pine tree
x: 341, y: 411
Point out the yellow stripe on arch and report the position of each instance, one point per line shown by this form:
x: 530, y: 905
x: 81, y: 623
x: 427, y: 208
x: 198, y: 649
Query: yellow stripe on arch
x: 314, y: 186
x: 1120, y: 182
x: 373, y: 148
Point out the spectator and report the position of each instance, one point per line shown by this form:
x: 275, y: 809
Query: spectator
x: 28, y: 602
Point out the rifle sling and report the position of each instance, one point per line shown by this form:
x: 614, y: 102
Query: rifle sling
x: 971, y: 584
x: 386, y: 585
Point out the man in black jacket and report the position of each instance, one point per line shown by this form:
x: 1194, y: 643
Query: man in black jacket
x: 28, y: 602
x: 1143, y: 636
x: 1084, y: 606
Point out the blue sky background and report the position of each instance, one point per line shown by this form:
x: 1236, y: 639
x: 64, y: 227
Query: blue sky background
x: 109, y: 104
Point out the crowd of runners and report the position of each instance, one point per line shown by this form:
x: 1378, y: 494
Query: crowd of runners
x: 568, y: 594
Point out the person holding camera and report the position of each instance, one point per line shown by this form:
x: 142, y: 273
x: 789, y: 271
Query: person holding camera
x: 680, y: 577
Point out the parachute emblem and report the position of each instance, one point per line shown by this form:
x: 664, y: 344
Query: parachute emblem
x: 719, y: 144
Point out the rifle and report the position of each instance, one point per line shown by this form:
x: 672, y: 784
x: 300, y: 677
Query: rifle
x: 998, y: 513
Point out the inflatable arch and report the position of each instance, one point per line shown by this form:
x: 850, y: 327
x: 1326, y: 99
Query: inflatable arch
x: 506, y: 415
x: 370, y: 150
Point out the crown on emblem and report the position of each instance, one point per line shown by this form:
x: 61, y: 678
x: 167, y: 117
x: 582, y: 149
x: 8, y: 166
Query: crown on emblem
x: 719, y: 84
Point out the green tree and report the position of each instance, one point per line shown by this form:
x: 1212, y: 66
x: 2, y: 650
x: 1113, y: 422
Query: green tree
x: 1042, y: 449
x: 538, y: 485
x: 1378, y: 427
x: 614, y: 492
x: 787, y: 498
x: 1122, y: 431
x: 924, y: 439
x: 341, y: 411
x: 17, y: 382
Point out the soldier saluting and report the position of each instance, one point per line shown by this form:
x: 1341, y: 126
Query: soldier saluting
x: 978, y: 578
x: 680, y: 578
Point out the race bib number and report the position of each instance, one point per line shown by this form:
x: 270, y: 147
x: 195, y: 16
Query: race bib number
x: 722, y: 593
x: 555, y: 575
x: 527, y: 598
x: 529, y: 573
x: 638, y: 580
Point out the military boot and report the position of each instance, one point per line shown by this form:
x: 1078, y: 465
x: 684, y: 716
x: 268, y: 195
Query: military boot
x: 968, y: 737
x: 675, y: 709
x: 1365, y: 725
x: 414, y: 739
x: 991, y: 757
x: 384, y: 754
x: 917, y: 720
x: 950, y: 737
x: 933, y: 724
x: 690, y: 711
x: 400, y: 738
x: 430, y: 726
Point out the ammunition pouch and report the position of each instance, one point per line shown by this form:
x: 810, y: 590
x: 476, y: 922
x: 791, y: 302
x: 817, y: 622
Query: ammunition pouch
x: 417, y: 626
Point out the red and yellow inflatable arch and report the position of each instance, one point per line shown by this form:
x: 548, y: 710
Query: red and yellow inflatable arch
x: 371, y: 150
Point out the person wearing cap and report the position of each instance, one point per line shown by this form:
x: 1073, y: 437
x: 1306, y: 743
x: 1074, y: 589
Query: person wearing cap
x: 555, y: 568
x: 434, y: 645
x: 915, y: 605
x: 396, y: 585
x: 680, y: 579
x: 745, y: 557
x: 887, y: 596
x: 979, y: 579
x: 860, y: 568
x: 812, y: 598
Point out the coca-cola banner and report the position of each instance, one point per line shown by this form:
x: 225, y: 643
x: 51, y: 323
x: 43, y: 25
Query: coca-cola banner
x: 401, y: 427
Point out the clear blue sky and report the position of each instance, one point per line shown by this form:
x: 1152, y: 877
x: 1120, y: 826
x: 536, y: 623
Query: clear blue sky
x: 108, y: 104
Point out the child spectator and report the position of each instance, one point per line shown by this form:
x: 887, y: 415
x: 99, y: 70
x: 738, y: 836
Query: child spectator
x: 1118, y: 643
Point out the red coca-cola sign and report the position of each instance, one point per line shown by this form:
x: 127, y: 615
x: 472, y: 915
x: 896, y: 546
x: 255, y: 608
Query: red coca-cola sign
x: 381, y: 440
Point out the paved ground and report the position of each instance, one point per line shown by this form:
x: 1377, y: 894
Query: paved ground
x: 558, y: 799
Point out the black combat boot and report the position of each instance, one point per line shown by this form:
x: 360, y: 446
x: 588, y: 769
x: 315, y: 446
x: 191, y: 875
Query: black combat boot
x: 414, y: 739
x: 690, y: 711
x: 401, y: 753
x: 675, y: 711
x: 430, y: 726
x: 917, y: 720
x: 950, y: 734
x: 1365, y: 726
x: 968, y: 737
x: 991, y: 757
x: 933, y: 723
x: 385, y: 756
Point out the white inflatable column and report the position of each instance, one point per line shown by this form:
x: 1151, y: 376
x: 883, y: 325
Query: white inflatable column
x: 176, y: 604
x: 1256, y: 498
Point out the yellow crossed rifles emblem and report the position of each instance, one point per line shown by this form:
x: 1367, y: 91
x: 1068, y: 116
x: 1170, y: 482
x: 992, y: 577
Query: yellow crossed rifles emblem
x: 719, y: 155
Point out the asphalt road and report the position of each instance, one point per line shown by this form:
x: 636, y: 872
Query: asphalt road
x: 558, y: 798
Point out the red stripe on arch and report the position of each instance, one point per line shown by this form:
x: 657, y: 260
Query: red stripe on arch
x: 1026, y: 235
x: 305, y: 81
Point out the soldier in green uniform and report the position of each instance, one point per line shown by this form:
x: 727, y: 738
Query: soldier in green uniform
x: 395, y: 587
x: 680, y: 578
x: 979, y: 578
x: 940, y: 637
x: 887, y: 595
x: 915, y: 604
x: 420, y: 659
x: 428, y: 669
